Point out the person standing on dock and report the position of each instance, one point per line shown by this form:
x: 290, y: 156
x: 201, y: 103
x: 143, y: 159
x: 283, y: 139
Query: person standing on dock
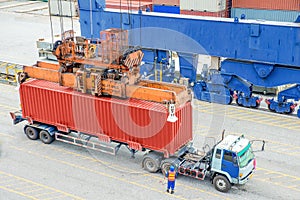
x: 171, y: 175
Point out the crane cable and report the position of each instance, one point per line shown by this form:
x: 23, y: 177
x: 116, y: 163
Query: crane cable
x: 51, y: 23
x: 71, y: 12
x: 59, y: 6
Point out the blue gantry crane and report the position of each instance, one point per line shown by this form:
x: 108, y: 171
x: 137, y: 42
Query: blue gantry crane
x: 249, y: 52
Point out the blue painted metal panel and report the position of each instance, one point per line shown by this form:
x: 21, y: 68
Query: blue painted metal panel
x: 149, y: 55
x: 91, y: 5
x: 212, y: 92
x: 146, y: 70
x: 272, y: 15
x: 290, y: 93
x: 244, y: 40
x: 166, y: 9
x: 230, y: 167
x: 163, y: 56
x: 188, y: 64
x: 266, y: 75
x: 156, y: 66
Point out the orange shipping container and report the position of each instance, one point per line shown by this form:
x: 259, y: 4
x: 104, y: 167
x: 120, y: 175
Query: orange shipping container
x: 267, y: 4
x: 223, y: 13
x: 166, y: 2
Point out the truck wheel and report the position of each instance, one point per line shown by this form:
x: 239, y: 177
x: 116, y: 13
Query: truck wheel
x: 31, y: 133
x: 166, y: 164
x: 221, y: 183
x: 165, y: 167
x: 46, y: 137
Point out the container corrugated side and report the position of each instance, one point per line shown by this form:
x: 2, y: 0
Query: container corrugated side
x: 270, y: 15
x: 268, y: 4
x: 203, y: 5
x: 122, y: 120
x: 223, y: 13
x: 125, y: 5
x: 94, y: 4
x: 166, y: 2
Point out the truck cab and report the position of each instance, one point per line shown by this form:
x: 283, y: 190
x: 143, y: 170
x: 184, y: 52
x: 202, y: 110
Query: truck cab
x: 232, y: 162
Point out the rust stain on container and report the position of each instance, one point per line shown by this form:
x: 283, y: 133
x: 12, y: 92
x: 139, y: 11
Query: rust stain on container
x: 123, y: 120
x: 268, y: 4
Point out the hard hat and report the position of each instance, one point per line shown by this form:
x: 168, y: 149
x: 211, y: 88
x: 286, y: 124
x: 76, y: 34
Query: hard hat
x: 172, y: 168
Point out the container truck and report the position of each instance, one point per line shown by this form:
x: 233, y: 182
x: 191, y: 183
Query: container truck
x: 58, y: 112
x: 94, y: 96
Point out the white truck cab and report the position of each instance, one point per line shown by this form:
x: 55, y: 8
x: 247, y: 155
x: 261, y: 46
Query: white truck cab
x: 233, y: 162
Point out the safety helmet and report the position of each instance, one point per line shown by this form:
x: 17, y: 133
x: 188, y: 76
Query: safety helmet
x: 172, y: 168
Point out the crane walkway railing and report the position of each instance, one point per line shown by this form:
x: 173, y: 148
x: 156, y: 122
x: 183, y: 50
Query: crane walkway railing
x: 9, y: 72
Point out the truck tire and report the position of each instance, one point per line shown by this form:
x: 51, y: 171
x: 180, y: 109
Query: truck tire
x: 46, y: 137
x: 31, y: 133
x: 166, y: 164
x: 151, y: 162
x: 165, y: 167
x: 150, y: 165
x: 221, y: 183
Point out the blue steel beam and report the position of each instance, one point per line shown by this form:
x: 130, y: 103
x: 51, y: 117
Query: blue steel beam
x: 247, y: 40
x: 266, y: 75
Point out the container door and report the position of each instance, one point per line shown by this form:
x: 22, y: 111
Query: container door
x: 229, y: 164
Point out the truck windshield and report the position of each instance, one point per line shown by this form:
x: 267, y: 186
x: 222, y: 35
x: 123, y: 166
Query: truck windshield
x: 245, y: 156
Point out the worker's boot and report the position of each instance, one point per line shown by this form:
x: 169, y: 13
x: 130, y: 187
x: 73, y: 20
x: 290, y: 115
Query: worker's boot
x: 168, y: 191
x: 172, y: 191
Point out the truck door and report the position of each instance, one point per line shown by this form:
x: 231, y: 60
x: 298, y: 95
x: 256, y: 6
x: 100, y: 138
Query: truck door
x: 229, y: 164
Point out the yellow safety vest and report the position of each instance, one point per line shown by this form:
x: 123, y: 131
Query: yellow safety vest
x: 171, y: 176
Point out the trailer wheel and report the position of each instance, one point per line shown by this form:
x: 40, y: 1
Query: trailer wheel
x: 221, y: 183
x: 31, y: 133
x: 46, y: 137
x: 151, y: 162
x: 150, y: 165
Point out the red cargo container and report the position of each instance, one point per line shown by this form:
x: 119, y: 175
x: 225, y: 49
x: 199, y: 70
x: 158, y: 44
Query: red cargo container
x: 267, y: 4
x: 223, y: 13
x: 131, y: 5
x: 128, y: 121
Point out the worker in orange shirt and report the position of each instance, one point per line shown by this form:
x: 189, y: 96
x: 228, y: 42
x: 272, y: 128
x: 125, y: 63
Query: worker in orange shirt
x: 171, y: 175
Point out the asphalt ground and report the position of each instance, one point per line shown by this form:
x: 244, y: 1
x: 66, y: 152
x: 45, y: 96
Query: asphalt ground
x: 33, y: 170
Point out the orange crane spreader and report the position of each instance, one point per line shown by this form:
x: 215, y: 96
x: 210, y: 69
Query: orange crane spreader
x: 104, y: 67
